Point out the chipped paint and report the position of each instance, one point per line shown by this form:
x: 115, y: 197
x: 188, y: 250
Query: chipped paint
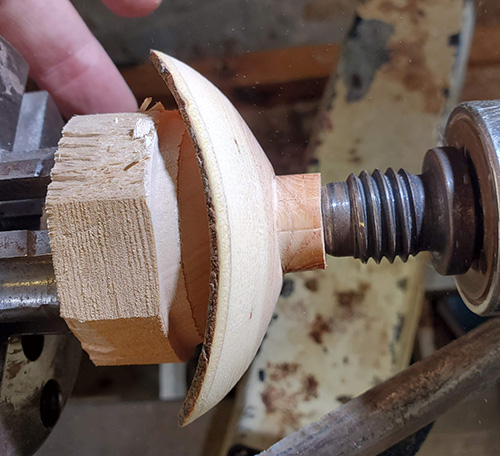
x: 363, y: 54
x: 354, y: 327
x: 285, y: 387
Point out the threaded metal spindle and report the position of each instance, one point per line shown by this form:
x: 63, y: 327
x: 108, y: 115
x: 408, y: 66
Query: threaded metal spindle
x: 400, y: 214
x: 382, y: 212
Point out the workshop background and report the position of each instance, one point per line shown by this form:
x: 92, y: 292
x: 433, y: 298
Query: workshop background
x: 278, y: 62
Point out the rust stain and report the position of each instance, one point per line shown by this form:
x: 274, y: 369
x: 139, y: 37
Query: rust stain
x: 412, y: 8
x: 310, y: 387
x: 277, y: 400
x: 347, y: 302
x: 269, y: 398
x: 291, y: 418
x: 311, y: 284
x: 319, y: 328
x: 282, y: 396
x: 354, y: 155
x: 344, y: 398
x: 324, y: 10
x: 417, y: 76
x: 280, y: 371
x: 351, y: 298
x: 408, y: 63
x: 326, y: 123
x: 384, y: 338
x: 14, y: 369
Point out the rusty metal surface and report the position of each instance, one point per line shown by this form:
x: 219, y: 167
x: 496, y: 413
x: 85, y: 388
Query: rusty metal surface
x: 475, y: 126
x: 402, y: 214
x: 37, y: 377
x: 393, y: 410
x: 39, y: 357
x: 23, y: 243
x: 337, y: 333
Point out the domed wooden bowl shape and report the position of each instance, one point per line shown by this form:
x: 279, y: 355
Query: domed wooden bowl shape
x: 169, y: 229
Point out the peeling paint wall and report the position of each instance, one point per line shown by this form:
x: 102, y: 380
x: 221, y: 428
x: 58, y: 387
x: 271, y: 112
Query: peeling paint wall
x: 345, y: 329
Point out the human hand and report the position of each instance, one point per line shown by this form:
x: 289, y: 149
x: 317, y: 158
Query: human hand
x: 65, y: 58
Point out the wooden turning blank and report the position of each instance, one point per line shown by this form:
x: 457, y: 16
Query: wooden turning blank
x: 113, y: 209
x: 170, y: 228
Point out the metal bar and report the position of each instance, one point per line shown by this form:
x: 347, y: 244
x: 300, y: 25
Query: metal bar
x: 39, y: 125
x: 13, y: 76
x: 395, y: 409
x: 26, y: 175
x: 22, y: 243
x: 21, y: 208
x: 28, y: 295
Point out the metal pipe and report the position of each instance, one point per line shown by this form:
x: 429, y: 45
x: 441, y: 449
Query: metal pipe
x: 395, y: 409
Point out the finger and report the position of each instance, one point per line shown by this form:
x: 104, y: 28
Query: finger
x: 64, y: 57
x: 132, y: 8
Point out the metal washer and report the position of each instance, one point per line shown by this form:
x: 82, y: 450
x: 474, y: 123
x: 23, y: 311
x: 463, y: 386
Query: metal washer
x: 475, y: 127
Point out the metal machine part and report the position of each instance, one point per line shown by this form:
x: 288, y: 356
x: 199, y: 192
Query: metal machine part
x: 395, y: 409
x: 38, y: 372
x: 39, y: 357
x: 13, y: 77
x: 451, y: 209
x: 401, y: 214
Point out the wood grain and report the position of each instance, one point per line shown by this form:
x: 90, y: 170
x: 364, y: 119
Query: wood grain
x: 299, y: 222
x: 170, y: 228
x: 114, y: 228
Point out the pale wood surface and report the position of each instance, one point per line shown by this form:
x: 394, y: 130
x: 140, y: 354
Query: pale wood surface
x: 299, y: 222
x: 113, y: 222
x: 246, y: 272
x: 169, y: 228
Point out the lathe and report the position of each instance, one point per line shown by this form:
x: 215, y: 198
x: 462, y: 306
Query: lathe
x: 169, y: 229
